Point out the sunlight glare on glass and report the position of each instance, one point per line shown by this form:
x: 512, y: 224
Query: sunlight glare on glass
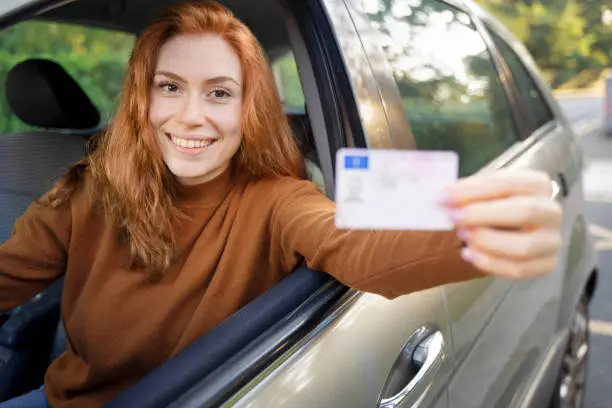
x: 444, y: 17
x: 606, y: 17
x: 367, y: 112
x: 9, y: 5
x: 399, y: 30
x: 372, y: 6
x: 401, y: 9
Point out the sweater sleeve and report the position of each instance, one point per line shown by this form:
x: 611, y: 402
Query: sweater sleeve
x: 35, y: 255
x: 389, y: 263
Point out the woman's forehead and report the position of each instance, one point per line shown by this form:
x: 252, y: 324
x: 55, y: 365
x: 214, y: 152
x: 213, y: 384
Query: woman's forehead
x: 199, y: 57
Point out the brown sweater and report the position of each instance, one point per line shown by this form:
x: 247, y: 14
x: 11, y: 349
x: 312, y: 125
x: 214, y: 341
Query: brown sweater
x: 242, y: 239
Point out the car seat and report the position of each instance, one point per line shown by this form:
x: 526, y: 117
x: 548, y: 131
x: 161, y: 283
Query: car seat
x: 42, y: 95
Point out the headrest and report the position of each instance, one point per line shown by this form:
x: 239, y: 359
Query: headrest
x: 42, y: 94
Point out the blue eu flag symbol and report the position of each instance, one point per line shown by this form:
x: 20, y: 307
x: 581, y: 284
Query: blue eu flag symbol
x: 356, y: 162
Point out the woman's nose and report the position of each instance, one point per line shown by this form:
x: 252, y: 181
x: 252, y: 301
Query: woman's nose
x: 193, y: 111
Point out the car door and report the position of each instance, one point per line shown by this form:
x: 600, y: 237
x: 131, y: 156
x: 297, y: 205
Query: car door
x: 515, y: 360
x: 433, y: 60
x: 366, y: 351
x: 446, y: 85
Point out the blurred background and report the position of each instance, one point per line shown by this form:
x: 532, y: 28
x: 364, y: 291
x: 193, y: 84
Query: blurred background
x: 571, y: 40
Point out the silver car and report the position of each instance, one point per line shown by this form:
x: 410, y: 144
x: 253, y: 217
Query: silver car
x: 403, y: 74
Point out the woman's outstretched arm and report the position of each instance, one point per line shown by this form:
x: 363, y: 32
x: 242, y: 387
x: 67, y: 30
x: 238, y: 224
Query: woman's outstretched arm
x: 508, y: 224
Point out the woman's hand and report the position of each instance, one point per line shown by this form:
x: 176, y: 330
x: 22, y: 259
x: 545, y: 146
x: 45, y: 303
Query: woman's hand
x: 508, y: 221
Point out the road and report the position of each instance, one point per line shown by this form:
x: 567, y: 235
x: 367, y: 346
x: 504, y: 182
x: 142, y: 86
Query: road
x: 586, y: 115
x: 581, y: 108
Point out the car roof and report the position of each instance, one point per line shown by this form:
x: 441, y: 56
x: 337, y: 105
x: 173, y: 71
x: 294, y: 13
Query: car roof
x: 264, y: 17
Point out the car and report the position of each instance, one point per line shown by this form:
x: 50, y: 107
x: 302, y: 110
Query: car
x: 395, y: 74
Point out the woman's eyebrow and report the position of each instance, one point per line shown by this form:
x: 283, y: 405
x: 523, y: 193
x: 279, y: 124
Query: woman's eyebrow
x: 170, y: 75
x: 213, y: 80
x: 218, y: 79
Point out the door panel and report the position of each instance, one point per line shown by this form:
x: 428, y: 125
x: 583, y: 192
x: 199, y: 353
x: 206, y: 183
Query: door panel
x: 470, y: 306
x: 346, y: 360
x: 496, y: 364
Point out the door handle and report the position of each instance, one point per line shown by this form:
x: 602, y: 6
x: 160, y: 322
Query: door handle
x: 414, y: 370
x: 560, y: 187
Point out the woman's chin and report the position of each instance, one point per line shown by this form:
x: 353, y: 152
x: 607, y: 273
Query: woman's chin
x: 191, y: 178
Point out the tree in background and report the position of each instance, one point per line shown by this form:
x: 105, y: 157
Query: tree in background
x: 567, y: 38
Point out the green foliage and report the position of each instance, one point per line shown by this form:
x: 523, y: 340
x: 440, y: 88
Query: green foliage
x: 565, y: 37
x: 288, y: 81
x: 95, y: 58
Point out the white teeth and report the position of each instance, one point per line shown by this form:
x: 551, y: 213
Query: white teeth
x: 190, y: 143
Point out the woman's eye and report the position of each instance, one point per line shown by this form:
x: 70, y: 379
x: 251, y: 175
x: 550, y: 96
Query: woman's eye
x: 168, y: 87
x: 219, y: 93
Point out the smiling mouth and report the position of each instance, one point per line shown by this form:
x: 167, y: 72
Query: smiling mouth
x: 190, y: 144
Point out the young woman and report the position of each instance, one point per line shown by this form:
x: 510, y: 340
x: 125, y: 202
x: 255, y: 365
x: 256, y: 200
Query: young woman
x: 194, y: 203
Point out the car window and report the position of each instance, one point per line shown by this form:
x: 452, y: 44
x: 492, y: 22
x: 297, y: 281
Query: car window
x: 94, y: 57
x: 527, y: 88
x: 449, y: 87
x: 288, y: 82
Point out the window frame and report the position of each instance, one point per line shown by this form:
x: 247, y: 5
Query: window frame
x: 392, y: 98
x: 517, y: 111
x: 531, y: 127
x: 104, y: 101
x: 561, y: 124
x: 27, y: 9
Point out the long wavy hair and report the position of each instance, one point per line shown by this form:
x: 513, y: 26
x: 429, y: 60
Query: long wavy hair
x: 132, y: 183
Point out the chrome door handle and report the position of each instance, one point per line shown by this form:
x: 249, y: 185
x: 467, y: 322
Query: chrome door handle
x: 419, y: 362
x: 559, y: 187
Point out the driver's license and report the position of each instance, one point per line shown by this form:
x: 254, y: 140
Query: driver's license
x: 393, y: 189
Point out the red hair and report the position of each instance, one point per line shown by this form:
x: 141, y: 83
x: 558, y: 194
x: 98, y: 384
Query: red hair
x: 132, y: 182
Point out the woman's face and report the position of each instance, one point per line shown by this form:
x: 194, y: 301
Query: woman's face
x: 196, y: 106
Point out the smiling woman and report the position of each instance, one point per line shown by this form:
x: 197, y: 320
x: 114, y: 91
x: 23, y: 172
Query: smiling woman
x: 171, y: 75
x: 196, y: 106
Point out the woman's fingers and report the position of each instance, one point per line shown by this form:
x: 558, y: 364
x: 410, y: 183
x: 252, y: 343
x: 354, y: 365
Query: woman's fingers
x: 517, y: 212
x: 508, y: 268
x: 513, y: 245
x: 499, y: 184
x: 509, y: 222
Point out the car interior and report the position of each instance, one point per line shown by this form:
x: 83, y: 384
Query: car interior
x: 64, y: 122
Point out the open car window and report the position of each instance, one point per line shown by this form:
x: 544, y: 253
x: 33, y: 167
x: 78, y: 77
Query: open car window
x: 96, y: 58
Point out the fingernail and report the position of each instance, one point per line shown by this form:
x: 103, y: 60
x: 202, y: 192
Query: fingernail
x: 464, y: 234
x: 456, y: 214
x: 467, y: 254
x: 446, y: 197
